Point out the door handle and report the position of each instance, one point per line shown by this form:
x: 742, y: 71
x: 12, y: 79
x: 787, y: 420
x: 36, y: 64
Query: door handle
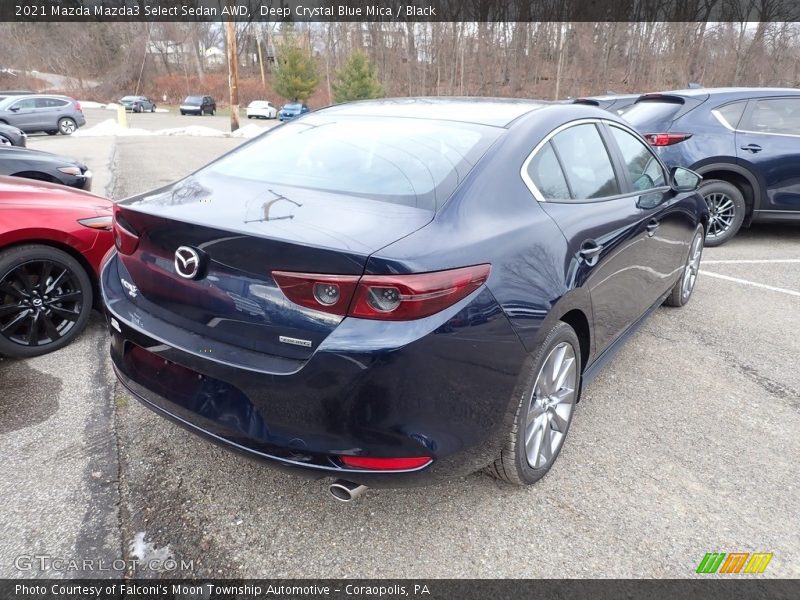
x: 752, y: 148
x: 651, y: 227
x: 590, y: 252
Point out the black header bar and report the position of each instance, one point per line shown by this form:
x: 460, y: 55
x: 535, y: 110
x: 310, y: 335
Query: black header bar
x: 399, y: 10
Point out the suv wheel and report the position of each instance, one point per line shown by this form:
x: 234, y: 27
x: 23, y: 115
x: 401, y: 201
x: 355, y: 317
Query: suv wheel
x: 727, y: 207
x: 4, y: 141
x: 67, y: 126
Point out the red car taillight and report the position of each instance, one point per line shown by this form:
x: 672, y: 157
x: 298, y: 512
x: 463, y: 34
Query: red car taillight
x: 126, y: 239
x: 328, y: 293
x: 78, y: 106
x: 666, y: 139
x: 385, y: 464
x: 382, y: 297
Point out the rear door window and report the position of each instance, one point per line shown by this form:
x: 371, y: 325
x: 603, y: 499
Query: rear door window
x: 586, y: 162
x: 643, y: 167
x: 545, y: 172
x: 731, y: 113
x: 774, y: 115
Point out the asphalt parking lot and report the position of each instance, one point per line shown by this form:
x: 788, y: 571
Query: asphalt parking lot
x: 687, y: 443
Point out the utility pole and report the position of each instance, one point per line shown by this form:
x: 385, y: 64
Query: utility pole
x: 233, y: 72
x: 259, y: 40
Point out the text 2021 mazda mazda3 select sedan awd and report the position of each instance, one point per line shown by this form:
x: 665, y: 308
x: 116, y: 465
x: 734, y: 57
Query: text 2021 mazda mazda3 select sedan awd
x: 399, y: 291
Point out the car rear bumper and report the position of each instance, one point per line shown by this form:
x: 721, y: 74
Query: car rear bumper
x: 444, y: 393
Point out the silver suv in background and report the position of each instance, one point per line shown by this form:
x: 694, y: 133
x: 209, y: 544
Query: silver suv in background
x: 40, y: 112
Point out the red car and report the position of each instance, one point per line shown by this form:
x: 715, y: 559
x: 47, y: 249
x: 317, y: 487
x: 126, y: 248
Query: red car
x: 52, y: 240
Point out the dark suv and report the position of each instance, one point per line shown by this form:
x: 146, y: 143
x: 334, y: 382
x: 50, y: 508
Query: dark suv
x: 198, y: 105
x: 745, y: 142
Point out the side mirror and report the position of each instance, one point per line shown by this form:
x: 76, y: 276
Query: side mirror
x: 684, y: 180
x: 14, y: 108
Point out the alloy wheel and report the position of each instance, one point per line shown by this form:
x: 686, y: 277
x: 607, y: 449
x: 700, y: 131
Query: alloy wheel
x: 67, y: 126
x: 692, y: 267
x: 551, y: 405
x: 723, y: 213
x: 40, y: 302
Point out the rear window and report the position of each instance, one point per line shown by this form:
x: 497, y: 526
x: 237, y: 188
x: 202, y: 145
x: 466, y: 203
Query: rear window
x: 652, y: 112
x: 293, y: 106
x: 414, y: 162
x: 193, y: 100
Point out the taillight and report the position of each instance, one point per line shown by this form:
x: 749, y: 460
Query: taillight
x: 328, y: 293
x: 78, y: 106
x: 385, y: 464
x: 666, y: 139
x: 382, y: 297
x: 126, y: 239
x: 407, y: 297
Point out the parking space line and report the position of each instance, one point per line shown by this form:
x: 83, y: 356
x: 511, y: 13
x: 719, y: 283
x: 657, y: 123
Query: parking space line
x: 752, y: 262
x: 753, y: 283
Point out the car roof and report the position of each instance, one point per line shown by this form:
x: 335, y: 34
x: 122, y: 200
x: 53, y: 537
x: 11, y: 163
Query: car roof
x: 728, y: 92
x: 25, y: 96
x: 498, y: 112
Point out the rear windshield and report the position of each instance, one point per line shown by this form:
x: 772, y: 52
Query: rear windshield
x: 128, y: 98
x: 193, y: 100
x: 651, y: 112
x: 414, y: 162
x: 293, y: 106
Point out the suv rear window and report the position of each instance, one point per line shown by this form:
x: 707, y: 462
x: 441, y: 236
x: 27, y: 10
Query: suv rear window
x: 652, y: 113
x: 414, y: 162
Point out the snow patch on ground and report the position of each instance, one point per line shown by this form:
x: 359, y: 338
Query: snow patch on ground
x: 91, y: 104
x: 110, y: 127
x: 147, y: 553
x: 248, y: 131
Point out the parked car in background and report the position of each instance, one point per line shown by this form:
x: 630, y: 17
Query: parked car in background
x: 400, y: 291
x: 12, y: 136
x: 292, y: 110
x: 138, y: 104
x: 261, y: 109
x: 745, y: 142
x: 198, y: 105
x: 52, y: 240
x: 616, y: 103
x: 51, y: 114
x: 44, y: 166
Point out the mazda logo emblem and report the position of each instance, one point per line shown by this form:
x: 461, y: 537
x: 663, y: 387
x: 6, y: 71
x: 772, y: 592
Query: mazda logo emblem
x: 187, y: 262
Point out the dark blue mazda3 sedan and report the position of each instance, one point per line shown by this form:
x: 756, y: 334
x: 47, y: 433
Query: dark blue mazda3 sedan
x: 394, y: 292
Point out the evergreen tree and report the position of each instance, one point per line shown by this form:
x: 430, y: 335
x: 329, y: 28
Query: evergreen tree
x: 295, y: 73
x: 356, y: 80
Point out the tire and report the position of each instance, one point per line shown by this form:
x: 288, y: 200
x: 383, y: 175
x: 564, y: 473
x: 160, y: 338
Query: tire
x: 682, y: 291
x: 52, y: 132
x: 137, y: 109
x: 4, y: 141
x: 153, y: 108
x: 32, y: 323
x: 726, y: 203
x: 514, y: 465
x: 67, y: 126
x: 183, y: 114
x: 213, y: 111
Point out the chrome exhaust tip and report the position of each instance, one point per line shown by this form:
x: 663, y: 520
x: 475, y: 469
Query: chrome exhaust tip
x: 346, y: 491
